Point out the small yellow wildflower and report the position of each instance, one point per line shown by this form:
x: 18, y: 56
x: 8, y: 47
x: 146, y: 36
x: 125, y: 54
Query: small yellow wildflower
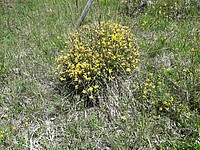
x: 76, y: 87
x: 168, y: 69
x: 26, y: 124
x: 58, y: 66
x: 128, y: 69
x: 89, y: 78
x: 59, y: 59
x: 84, y: 91
x: 90, y: 89
x: 188, y: 114
x: 96, y: 87
x: 167, y: 108
x: 110, y: 70
x: 164, y: 102
x: 171, y: 99
x: 192, y: 49
x: 158, y: 116
x: 184, y: 70
x: 76, y: 79
x: 91, y: 97
x: 14, y: 127
x: 148, y: 80
x: 1, y: 136
x: 151, y: 74
x: 62, y: 79
x: 56, y: 73
x: 136, y: 67
x: 144, y: 23
x: 123, y: 118
x: 160, y: 108
x: 145, y: 92
x: 167, y: 94
x: 159, y: 83
x: 5, y: 116
x: 61, y: 72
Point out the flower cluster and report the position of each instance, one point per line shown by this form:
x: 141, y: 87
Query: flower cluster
x: 96, y: 54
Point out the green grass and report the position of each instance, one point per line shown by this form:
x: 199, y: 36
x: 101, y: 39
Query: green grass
x: 34, y: 115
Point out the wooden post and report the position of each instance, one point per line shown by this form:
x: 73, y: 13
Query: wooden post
x: 82, y: 17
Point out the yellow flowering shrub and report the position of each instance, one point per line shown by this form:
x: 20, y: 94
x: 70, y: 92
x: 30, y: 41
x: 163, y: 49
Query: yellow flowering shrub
x: 94, y: 55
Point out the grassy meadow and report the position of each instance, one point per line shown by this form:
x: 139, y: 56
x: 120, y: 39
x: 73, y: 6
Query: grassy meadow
x: 154, y: 106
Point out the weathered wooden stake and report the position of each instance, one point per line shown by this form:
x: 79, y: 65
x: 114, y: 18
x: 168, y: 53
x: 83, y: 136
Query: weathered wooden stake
x: 82, y: 17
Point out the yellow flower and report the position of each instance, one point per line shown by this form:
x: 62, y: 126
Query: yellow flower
x: 62, y: 79
x: 128, y: 69
x: 159, y: 83
x: 110, y: 70
x: 26, y: 123
x: 151, y: 74
x: 167, y: 94
x: 145, y: 92
x: 90, y: 89
x: 76, y: 79
x: 123, y: 118
x: 59, y: 59
x: 167, y: 108
x: 84, y: 91
x: 58, y: 66
x: 91, y: 97
x: 14, y: 128
x: 88, y: 79
x: 160, y: 108
x: 172, y: 99
x: 5, y: 116
x: 164, y: 102
x: 1, y: 136
x: 188, y: 114
x: 61, y: 72
x: 114, y: 37
x: 168, y: 69
x: 158, y: 116
x: 76, y: 87
x: 148, y: 80
x: 96, y: 87
x: 184, y: 70
x: 192, y: 49
x: 65, y: 57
